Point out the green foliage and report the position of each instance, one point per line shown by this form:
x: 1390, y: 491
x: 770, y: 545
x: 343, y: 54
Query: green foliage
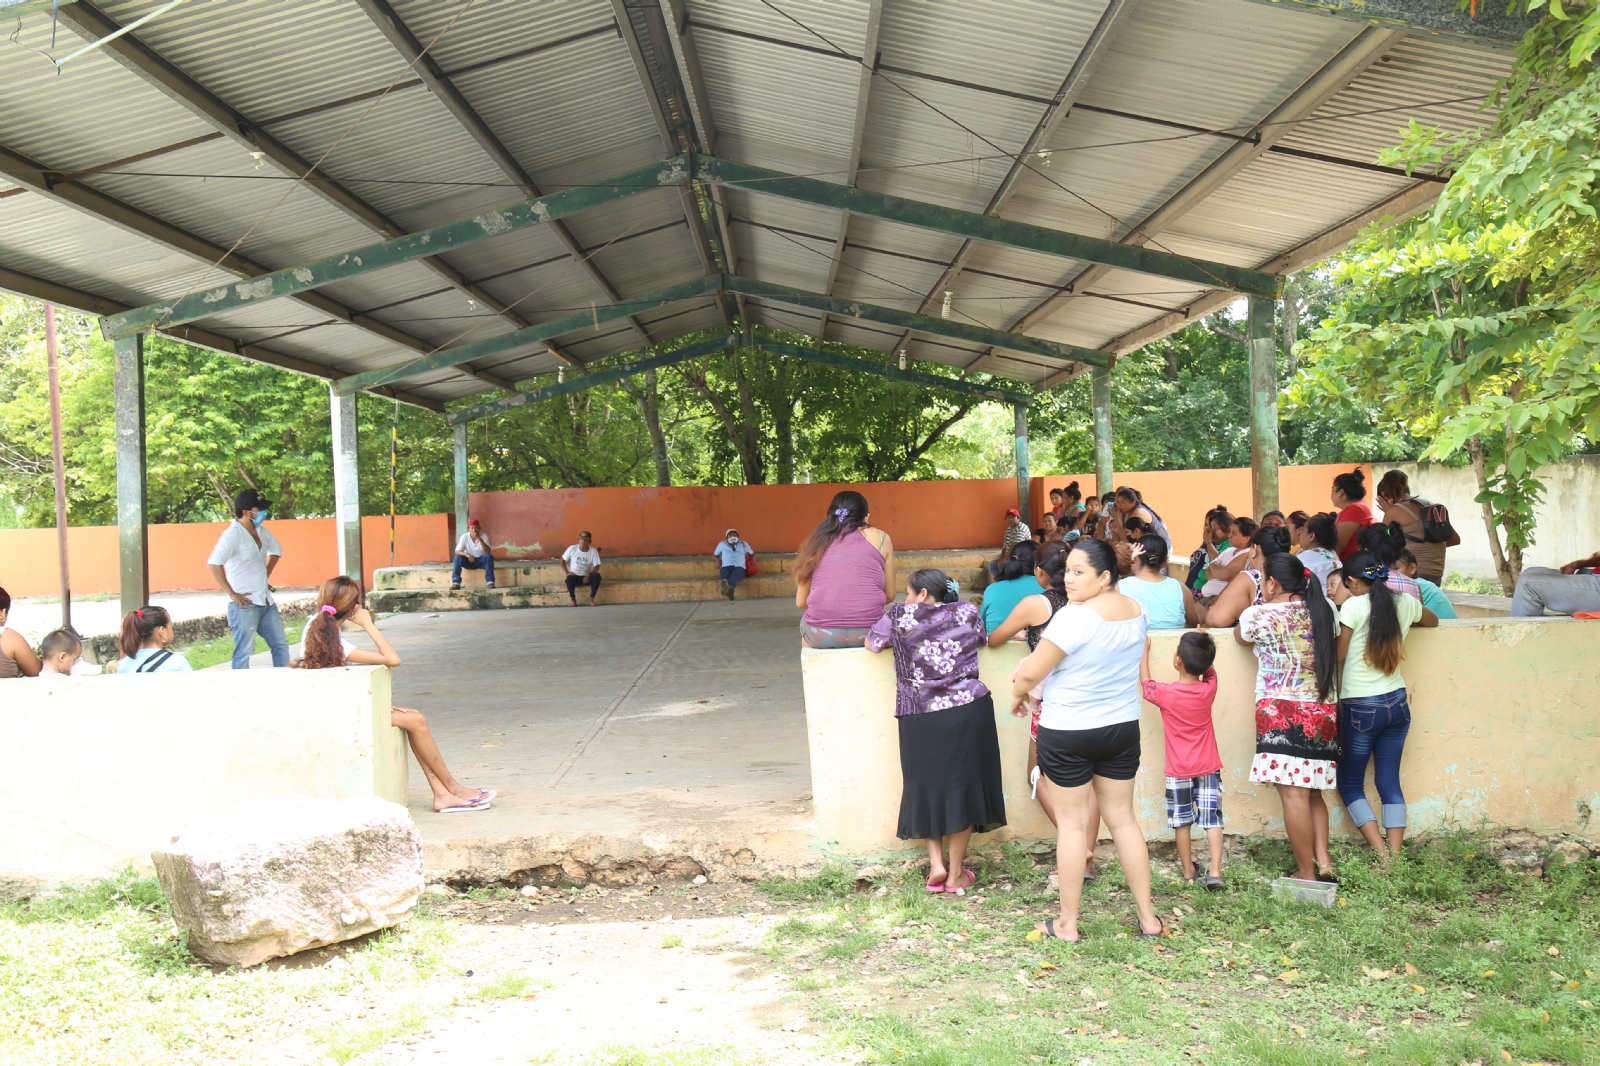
x: 1477, y: 325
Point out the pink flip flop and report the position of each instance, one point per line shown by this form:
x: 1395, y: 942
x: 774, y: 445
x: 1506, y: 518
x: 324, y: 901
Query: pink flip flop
x: 934, y: 886
x: 968, y: 877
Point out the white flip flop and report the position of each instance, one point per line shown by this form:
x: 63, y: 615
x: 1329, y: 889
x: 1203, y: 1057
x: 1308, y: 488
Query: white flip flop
x: 476, y: 805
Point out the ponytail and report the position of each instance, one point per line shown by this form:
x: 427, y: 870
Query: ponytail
x: 1293, y: 577
x: 1385, y: 641
x: 137, y: 627
x: 324, y: 648
x: 1054, y: 567
x: 1021, y: 561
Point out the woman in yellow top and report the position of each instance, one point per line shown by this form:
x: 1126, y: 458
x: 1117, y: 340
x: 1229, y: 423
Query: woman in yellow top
x: 1374, y: 715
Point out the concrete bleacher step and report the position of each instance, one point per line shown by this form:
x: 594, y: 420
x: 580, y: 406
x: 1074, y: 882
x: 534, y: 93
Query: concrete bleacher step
x: 659, y: 579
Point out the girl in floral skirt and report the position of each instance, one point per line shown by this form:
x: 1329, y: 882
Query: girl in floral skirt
x: 1295, y: 635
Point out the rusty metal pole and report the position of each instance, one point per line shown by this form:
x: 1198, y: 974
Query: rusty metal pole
x: 58, y: 456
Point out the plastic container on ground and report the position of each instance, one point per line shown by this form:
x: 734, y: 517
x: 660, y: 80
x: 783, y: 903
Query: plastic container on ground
x: 1322, y: 892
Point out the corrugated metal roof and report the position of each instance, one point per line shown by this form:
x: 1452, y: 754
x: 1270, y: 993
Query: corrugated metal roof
x: 957, y: 88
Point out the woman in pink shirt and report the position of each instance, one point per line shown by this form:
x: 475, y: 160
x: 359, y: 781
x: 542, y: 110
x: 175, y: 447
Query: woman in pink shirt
x: 843, y: 576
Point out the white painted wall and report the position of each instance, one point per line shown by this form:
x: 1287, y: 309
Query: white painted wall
x: 1568, y: 522
x: 106, y: 768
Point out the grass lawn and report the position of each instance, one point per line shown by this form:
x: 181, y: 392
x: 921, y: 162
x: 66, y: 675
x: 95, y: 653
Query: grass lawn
x: 204, y: 653
x: 1445, y: 959
x: 1482, y: 586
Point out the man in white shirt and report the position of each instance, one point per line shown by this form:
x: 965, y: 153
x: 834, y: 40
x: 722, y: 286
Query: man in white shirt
x: 472, y: 553
x: 581, y: 561
x: 241, y: 563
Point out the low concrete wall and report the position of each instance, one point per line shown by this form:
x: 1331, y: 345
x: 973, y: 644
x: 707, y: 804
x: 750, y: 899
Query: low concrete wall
x: 1565, y: 523
x: 1505, y: 715
x: 30, y: 566
x: 106, y: 768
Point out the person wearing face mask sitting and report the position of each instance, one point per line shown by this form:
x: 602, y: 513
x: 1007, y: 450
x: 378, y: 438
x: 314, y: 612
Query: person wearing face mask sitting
x: 242, y: 563
x: 733, y: 555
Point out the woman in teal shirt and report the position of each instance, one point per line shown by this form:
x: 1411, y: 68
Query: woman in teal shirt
x: 1164, y: 598
x: 1016, y: 584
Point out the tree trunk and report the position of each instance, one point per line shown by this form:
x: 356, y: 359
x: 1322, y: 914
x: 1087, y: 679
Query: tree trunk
x: 1480, y: 471
x: 783, y: 417
x: 649, y: 400
x: 749, y: 457
x: 755, y: 467
x: 909, y: 459
x: 1291, y: 321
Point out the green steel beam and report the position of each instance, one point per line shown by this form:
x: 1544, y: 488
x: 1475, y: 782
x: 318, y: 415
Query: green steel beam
x: 1490, y: 26
x: 985, y: 227
x: 894, y: 373
x: 574, y: 384
x: 939, y: 327
x: 448, y: 357
x: 393, y: 252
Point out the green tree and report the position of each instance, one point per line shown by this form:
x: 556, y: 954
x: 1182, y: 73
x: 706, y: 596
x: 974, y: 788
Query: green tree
x: 1477, y: 325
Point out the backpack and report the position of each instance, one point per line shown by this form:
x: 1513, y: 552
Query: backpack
x: 1436, y: 527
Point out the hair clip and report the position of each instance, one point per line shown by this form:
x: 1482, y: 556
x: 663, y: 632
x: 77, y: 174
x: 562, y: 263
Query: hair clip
x: 138, y: 612
x: 329, y: 608
x: 841, y: 513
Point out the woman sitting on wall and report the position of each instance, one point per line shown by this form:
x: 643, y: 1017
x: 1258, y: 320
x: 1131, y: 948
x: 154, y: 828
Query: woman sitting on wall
x: 143, y: 644
x: 16, y: 656
x: 1349, y: 498
x: 1245, y: 589
x: 1016, y: 583
x: 1163, y: 597
x: 843, y: 576
x: 949, y: 748
x: 339, y: 600
x: 1088, y: 660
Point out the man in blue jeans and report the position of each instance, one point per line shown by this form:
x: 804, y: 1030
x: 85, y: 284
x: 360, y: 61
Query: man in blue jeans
x: 472, y: 553
x: 241, y: 563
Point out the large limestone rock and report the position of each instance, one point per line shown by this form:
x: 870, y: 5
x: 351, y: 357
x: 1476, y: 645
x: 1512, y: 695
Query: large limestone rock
x: 273, y: 877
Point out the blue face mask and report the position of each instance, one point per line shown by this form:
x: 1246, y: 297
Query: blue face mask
x: 261, y: 516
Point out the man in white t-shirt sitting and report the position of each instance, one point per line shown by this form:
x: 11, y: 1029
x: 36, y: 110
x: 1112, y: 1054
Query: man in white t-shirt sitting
x: 472, y: 553
x: 581, y: 561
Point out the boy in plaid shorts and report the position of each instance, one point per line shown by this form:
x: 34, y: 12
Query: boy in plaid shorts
x: 1194, y: 767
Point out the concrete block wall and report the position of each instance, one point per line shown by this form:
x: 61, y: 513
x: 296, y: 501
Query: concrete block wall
x: 109, y: 767
x: 1505, y: 719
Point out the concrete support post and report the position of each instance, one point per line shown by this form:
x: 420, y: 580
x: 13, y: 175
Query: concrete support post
x: 346, y: 483
x: 1023, y: 500
x: 1100, y: 379
x: 1262, y: 335
x: 132, y: 511
x: 461, y: 479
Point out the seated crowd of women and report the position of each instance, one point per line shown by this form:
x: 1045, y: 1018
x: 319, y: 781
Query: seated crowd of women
x: 1324, y: 601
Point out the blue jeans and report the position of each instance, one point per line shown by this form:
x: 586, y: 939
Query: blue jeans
x: 482, y: 562
x: 733, y: 575
x: 246, y: 622
x: 1373, y: 727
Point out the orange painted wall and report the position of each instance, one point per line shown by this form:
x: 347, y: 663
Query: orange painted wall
x: 178, y: 553
x: 776, y: 518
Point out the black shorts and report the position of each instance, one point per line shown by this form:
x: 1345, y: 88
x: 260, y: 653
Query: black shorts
x: 1070, y: 757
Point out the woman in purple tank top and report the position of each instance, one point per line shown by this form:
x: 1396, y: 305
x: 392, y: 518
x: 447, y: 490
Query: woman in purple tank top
x: 844, y: 576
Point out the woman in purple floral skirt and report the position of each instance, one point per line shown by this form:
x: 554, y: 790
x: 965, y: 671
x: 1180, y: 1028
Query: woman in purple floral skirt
x: 949, y: 749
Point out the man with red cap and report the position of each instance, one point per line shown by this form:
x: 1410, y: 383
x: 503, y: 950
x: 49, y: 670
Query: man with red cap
x: 472, y: 553
x: 1017, y: 531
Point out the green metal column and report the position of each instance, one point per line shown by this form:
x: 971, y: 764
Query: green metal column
x: 1103, y: 474
x: 461, y: 479
x: 1023, y: 500
x: 346, y: 483
x: 133, y: 543
x: 1263, y: 406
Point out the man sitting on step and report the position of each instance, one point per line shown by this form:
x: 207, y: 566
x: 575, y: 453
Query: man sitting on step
x: 733, y: 554
x: 472, y: 553
x: 581, y: 561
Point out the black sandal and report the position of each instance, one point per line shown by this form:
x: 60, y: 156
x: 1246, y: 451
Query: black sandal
x: 1050, y: 931
x: 1151, y: 936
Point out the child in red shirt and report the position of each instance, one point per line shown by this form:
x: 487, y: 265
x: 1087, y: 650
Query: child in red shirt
x: 1194, y: 767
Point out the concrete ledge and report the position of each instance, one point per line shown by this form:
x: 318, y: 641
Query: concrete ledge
x: 109, y: 767
x: 1505, y: 716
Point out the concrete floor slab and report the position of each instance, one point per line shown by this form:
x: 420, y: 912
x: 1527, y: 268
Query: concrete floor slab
x: 627, y: 741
